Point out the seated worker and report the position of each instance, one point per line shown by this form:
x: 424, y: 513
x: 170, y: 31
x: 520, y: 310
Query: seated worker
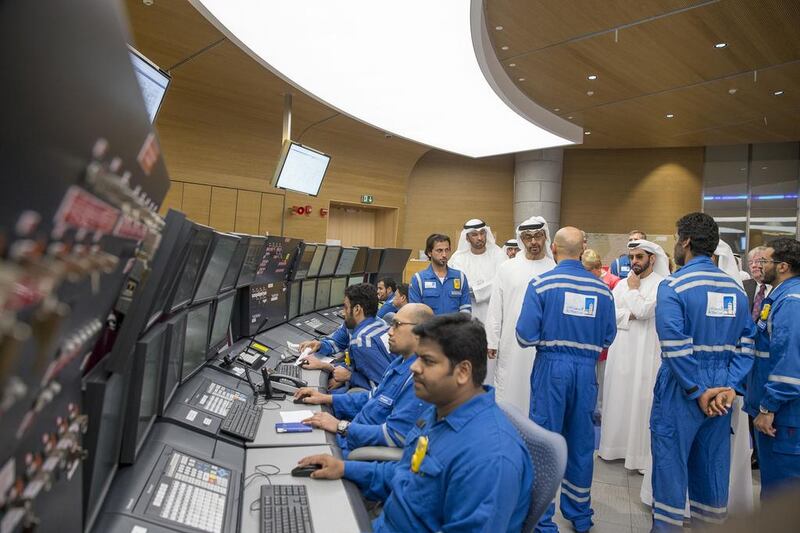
x: 399, y: 299
x: 387, y: 288
x: 464, y: 465
x: 384, y: 416
x: 362, y: 334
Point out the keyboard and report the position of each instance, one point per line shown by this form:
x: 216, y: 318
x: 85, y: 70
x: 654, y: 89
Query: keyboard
x: 216, y: 398
x: 290, y: 370
x: 285, y: 508
x: 326, y: 329
x: 242, y: 421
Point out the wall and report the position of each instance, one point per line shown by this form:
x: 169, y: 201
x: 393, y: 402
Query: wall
x: 445, y: 190
x: 614, y: 191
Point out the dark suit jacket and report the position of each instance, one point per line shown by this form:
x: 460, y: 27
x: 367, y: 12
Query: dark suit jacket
x: 750, y: 287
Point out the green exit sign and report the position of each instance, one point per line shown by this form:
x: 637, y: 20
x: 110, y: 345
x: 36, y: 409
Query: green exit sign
x: 366, y: 199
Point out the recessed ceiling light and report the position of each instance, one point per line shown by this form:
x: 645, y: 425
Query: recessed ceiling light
x: 556, y: 109
x: 720, y: 45
x: 587, y: 132
x: 520, y: 79
x: 732, y: 91
x: 498, y: 28
x: 778, y: 93
x: 148, y: 2
x: 763, y: 168
x: 592, y: 77
x: 670, y: 115
x: 570, y: 118
x: 504, y: 48
x: 589, y: 93
x: 512, y: 64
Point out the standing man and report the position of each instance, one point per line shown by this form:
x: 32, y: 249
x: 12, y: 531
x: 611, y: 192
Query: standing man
x: 386, y: 291
x: 773, y: 390
x: 633, y: 359
x: 443, y: 289
x: 568, y: 315
x: 755, y: 287
x: 707, y: 347
x: 512, y: 377
x: 384, y: 416
x: 511, y: 248
x: 367, y: 345
x: 478, y: 258
x: 464, y: 466
x: 622, y: 265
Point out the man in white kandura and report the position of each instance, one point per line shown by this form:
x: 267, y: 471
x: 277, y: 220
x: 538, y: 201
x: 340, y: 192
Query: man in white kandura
x: 514, y: 363
x: 740, y: 484
x: 633, y: 359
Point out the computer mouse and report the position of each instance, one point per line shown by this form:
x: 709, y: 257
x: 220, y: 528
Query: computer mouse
x: 305, y: 471
x: 299, y: 400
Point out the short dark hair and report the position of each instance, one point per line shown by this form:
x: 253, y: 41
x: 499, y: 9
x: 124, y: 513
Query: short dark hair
x: 702, y: 230
x: 786, y: 250
x: 389, y: 283
x: 365, y: 295
x: 461, y: 337
x: 402, y: 288
x: 431, y: 241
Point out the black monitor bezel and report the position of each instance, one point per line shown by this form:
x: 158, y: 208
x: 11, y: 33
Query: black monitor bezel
x: 255, y: 241
x: 235, y: 265
x: 371, y: 253
x: 213, y: 349
x: 360, y: 262
x: 298, y: 273
x: 197, y: 229
x: 386, y: 256
x: 212, y: 249
x: 317, y: 252
x: 318, y: 305
x: 303, y: 288
x: 336, y: 272
x: 330, y: 249
x: 187, y: 377
x: 338, y: 303
x: 293, y: 288
x: 176, y: 325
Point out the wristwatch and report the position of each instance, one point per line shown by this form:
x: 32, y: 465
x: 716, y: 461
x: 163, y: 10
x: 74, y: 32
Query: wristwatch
x: 760, y: 410
x: 341, y: 429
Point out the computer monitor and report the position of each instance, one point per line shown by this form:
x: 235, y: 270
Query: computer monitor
x: 196, y: 340
x: 199, y: 241
x: 373, y: 260
x: 251, y: 259
x: 223, y: 309
x: 355, y: 280
x: 153, y: 82
x: 173, y: 359
x: 219, y: 259
x: 304, y: 257
x: 232, y: 274
x: 346, y: 260
x: 167, y: 261
x: 294, y: 300
x: 300, y: 168
x: 264, y: 308
x: 277, y: 259
x: 308, y: 296
x: 323, y: 298
x: 316, y: 261
x: 338, y: 285
x: 330, y: 261
x: 360, y: 262
x: 393, y: 262
x: 144, y: 389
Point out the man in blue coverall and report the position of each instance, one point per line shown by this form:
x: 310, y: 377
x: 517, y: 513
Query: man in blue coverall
x: 707, y: 347
x: 773, y: 387
x: 443, y: 289
x: 367, y: 344
x: 621, y: 266
x: 464, y: 466
x: 387, y: 289
x: 384, y: 416
x: 568, y: 315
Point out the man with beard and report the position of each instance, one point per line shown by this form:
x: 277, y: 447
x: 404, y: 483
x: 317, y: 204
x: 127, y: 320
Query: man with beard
x: 773, y: 389
x: 387, y: 289
x: 514, y: 362
x: 511, y: 248
x: 622, y: 265
x: 464, y: 466
x: 478, y: 258
x: 707, y: 348
x: 368, y: 343
x: 443, y: 289
x: 384, y: 416
x: 633, y: 359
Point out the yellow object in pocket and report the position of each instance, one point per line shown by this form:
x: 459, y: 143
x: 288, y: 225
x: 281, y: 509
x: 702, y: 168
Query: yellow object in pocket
x: 419, y: 453
x: 347, y: 358
x: 765, y: 311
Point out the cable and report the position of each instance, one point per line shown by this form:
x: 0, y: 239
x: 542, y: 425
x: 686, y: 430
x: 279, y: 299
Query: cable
x: 259, y: 473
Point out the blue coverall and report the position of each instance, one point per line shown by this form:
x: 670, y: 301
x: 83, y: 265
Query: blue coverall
x: 477, y: 474
x: 568, y: 315
x: 369, y: 354
x: 706, y: 336
x: 621, y: 266
x: 774, y: 384
x: 387, y: 307
x: 448, y: 297
x: 382, y: 417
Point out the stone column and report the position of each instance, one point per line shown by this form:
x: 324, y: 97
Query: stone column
x: 537, y: 186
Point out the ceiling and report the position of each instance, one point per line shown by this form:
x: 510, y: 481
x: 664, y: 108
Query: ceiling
x: 654, y: 58
x: 651, y: 58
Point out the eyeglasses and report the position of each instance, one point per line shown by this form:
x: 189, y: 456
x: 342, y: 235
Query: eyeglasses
x: 765, y: 261
x: 527, y: 236
x: 396, y: 324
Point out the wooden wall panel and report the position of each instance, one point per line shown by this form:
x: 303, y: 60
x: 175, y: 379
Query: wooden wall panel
x: 248, y: 211
x: 446, y: 190
x: 173, y: 199
x: 197, y: 202
x: 614, y: 191
x: 223, y: 209
x: 271, y: 210
x: 352, y: 225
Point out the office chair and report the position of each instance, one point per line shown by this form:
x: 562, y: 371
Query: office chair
x: 549, y: 455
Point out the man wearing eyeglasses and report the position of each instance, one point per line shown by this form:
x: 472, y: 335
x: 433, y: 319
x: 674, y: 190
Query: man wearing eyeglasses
x: 773, y: 388
x: 384, y: 416
x: 755, y: 288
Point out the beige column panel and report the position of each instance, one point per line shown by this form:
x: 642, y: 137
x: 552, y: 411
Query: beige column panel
x: 223, y: 209
x: 248, y: 212
x: 271, y: 206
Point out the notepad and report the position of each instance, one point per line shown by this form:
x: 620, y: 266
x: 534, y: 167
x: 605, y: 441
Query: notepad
x: 296, y: 416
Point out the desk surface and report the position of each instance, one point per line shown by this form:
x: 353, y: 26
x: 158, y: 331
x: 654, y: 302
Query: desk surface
x: 267, y: 437
x: 332, y: 509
